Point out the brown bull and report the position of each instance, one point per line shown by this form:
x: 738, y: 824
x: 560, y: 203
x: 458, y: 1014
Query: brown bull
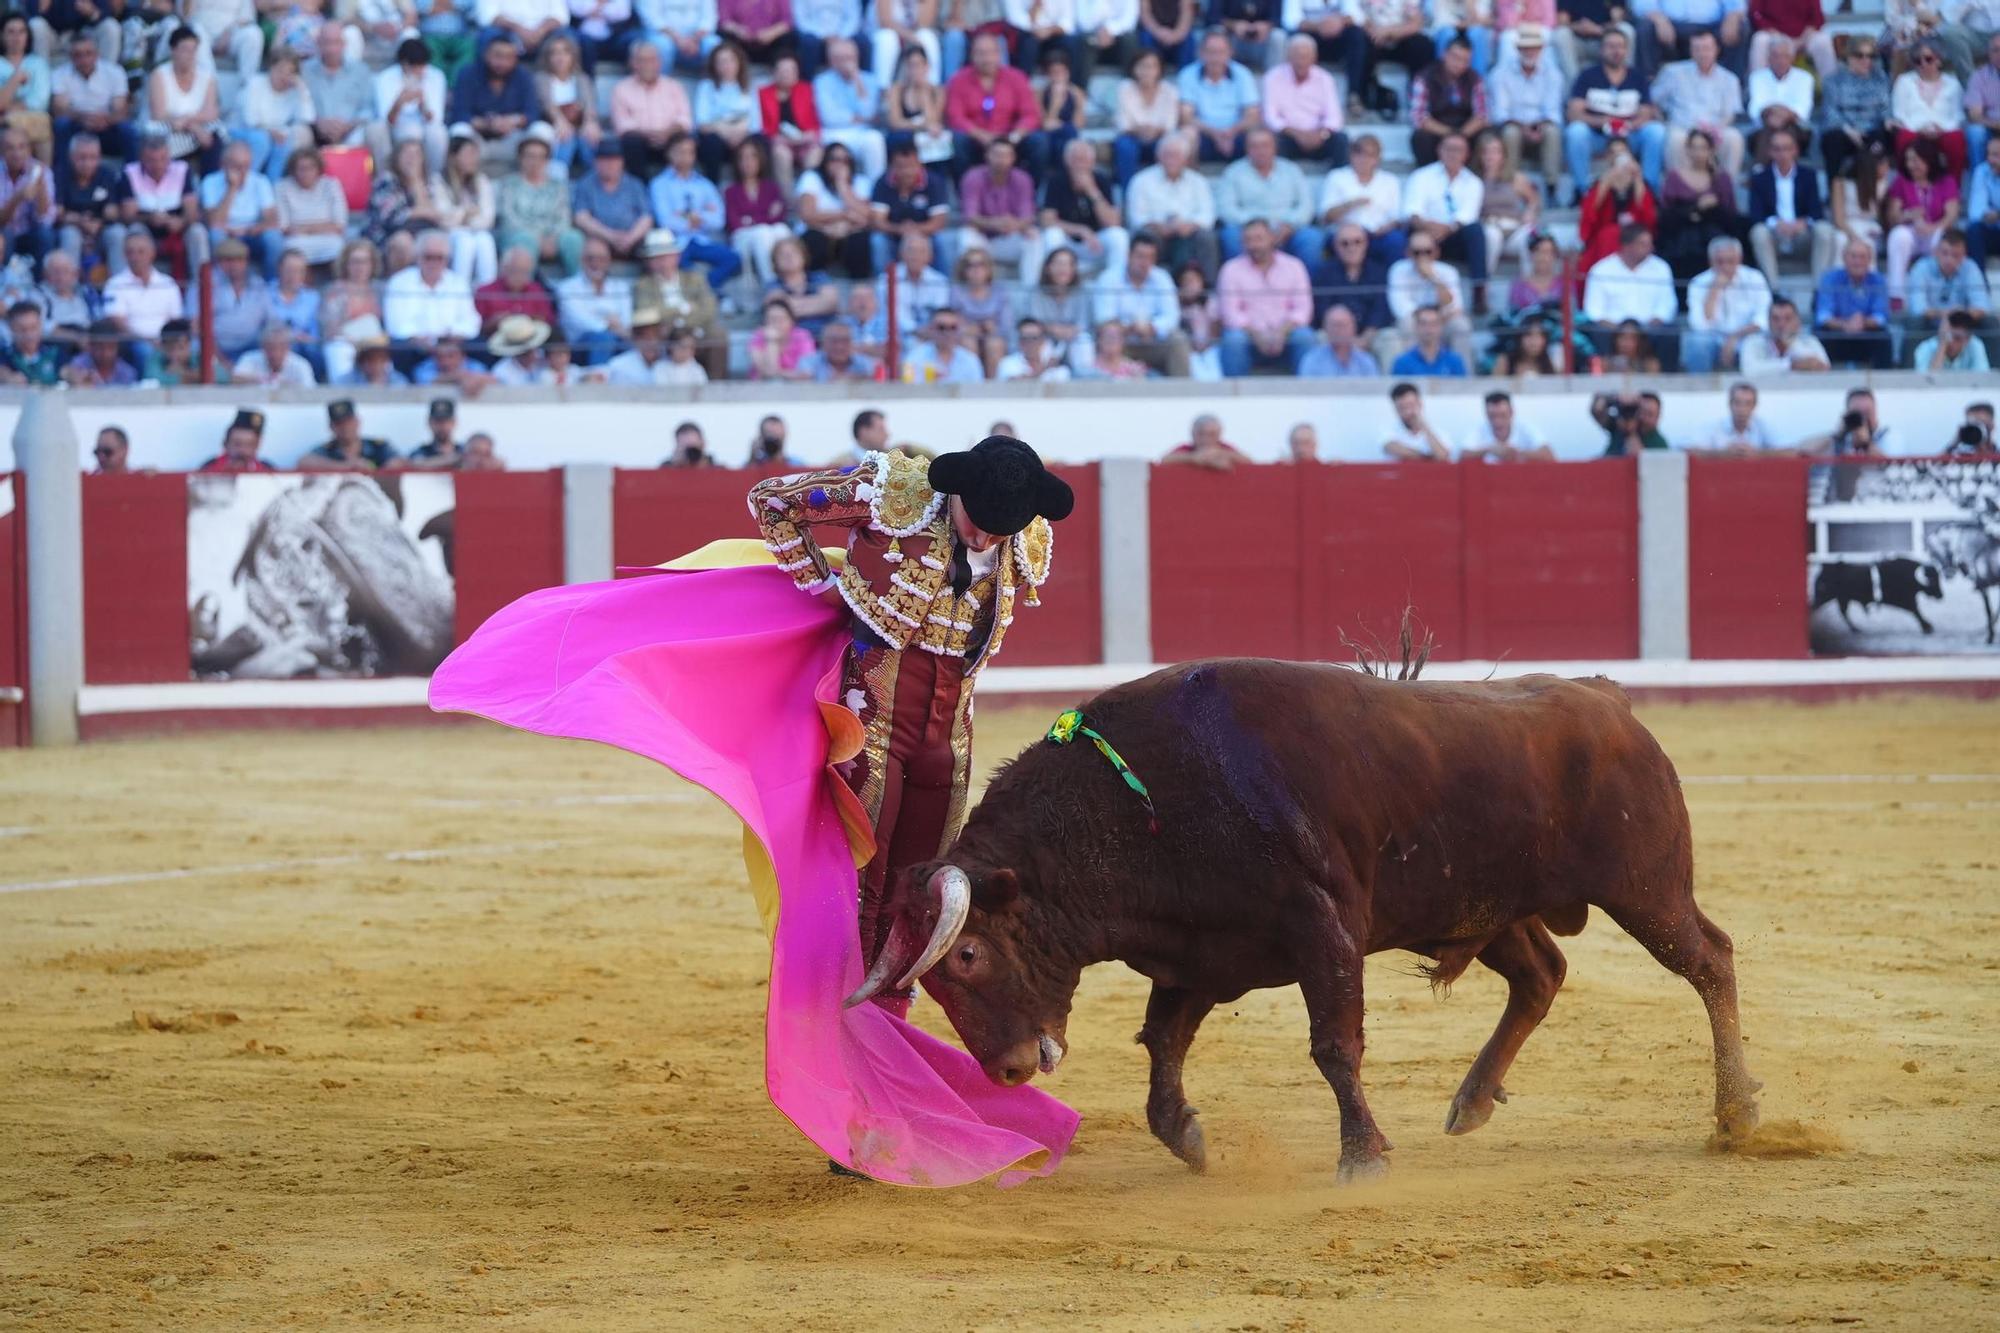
x: 1309, y: 815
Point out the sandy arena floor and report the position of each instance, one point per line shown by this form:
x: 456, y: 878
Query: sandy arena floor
x: 456, y: 1028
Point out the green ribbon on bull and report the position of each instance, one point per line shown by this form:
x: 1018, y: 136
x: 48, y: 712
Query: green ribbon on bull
x: 1071, y: 725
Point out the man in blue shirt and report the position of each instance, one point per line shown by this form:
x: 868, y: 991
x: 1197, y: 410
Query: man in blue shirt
x: 849, y: 101
x: 612, y: 206
x: 943, y: 360
x: 1339, y: 357
x: 1429, y: 357
x: 1354, y: 280
x: 1851, y: 311
x: 1664, y: 27
x: 687, y: 203
x: 820, y: 23
x: 496, y: 97
x: 1219, y: 98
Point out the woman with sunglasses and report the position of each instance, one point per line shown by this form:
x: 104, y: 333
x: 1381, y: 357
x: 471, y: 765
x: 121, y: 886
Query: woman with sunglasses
x: 1928, y: 103
x: 1854, y: 110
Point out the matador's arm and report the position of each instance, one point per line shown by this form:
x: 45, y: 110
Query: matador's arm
x: 787, y: 509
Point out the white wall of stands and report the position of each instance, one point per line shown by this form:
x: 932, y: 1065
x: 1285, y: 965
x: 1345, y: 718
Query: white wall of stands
x: 179, y: 429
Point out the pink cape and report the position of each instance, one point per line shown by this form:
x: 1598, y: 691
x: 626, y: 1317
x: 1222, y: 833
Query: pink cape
x: 721, y: 675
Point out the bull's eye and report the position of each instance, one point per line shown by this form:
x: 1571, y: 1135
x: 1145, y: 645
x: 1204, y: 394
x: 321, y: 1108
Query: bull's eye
x: 967, y: 961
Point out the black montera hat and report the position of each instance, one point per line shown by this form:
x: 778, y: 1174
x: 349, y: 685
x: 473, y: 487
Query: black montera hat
x: 1003, y: 485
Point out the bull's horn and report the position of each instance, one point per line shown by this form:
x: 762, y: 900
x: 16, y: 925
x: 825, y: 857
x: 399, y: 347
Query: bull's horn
x: 954, y: 896
x: 877, y: 978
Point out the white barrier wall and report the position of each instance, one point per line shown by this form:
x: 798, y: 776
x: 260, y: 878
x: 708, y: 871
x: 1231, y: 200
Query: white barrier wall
x: 179, y: 429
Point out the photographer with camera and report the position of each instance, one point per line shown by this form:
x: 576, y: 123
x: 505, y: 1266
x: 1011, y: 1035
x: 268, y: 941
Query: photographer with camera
x: 1975, y: 436
x: 1631, y: 422
x: 690, y: 448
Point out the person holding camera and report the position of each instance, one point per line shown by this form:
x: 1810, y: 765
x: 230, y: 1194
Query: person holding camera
x: 690, y: 448
x: 1975, y: 436
x: 1631, y: 423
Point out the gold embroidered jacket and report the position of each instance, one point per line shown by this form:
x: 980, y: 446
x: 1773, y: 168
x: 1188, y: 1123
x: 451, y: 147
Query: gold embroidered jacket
x: 897, y: 579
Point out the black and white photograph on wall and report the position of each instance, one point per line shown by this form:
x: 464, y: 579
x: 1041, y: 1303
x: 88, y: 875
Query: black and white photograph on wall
x: 1904, y: 558
x: 318, y: 576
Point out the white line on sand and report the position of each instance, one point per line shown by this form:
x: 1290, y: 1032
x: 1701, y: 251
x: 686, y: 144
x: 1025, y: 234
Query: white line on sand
x: 1826, y: 779
x: 286, y: 864
x: 551, y: 802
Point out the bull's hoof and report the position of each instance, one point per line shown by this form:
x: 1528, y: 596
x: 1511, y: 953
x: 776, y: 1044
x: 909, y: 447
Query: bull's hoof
x: 1360, y: 1170
x: 1180, y: 1130
x: 1470, y: 1109
x: 1738, y: 1120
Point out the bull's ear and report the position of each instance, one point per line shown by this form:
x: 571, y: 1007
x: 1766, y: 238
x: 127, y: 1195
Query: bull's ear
x: 996, y: 890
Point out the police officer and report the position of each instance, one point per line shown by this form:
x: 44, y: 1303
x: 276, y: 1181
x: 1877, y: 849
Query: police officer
x: 348, y: 450
x: 442, y: 450
x: 240, y: 444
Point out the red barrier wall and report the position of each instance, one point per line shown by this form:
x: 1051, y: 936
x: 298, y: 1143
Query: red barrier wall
x: 1067, y: 629
x: 664, y: 512
x: 13, y: 607
x: 507, y: 541
x: 1521, y: 562
x: 1747, y: 557
x: 135, y: 607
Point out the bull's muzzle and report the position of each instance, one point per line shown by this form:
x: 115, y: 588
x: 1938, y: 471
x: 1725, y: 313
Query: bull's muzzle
x: 950, y: 892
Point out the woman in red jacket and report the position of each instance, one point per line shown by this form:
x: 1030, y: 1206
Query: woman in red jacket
x: 1620, y: 196
x: 788, y: 117
x: 1801, y: 20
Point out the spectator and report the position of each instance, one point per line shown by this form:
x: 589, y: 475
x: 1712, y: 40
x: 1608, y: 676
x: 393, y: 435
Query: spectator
x: 1854, y: 109
x: 1034, y: 360
x: 1667, y: 27
x: 763, y: 28
x: 441, y: 450
x: 1851, y: 311
x: 1698, y: 93
x: 481, y: 454
x: 789, y: 119
x: 1631, y: 424
x: 400, y: 203
x: 448, y: 366
x: 1618, y: 200
x: 239, y: 204
x: 27, y: 197
x: 1415, y: 442
x: 516, y: 344
x: 1200, y: 322
x: 1725, y: 305
x: 142, y: 299
x: 1527, y: 354
x: 1140, y: 300
x: 1786, y: 347
x: 240, y: 444
x: 983, y: 305
x: 595, y: 306
x: 682, y: 366
x: 986, y: 100
x: 754, y: 210
x: 412, y: 96
x: 1466, y: 21
x: 1255, y: 35
x: 1510, y: 203
x: 690, y: 447
x: 1167, y: 27
x: 348, y: 450
x: 496, y: 98
x: 1358, y: 283
x: 645, y: 361
x: 724, y: 108
x: 1952, y: 347
x: 532, y: 210
x: 87, y: 210
x: 682, y: 31
x: 1525, y: 97
x: 1262, y: 185
x: 837, y: 361
x: 345, y: 99
x: 1061, y: 305
x: 1860, y: 432
x: 181, y: 102
x: 1428, y: 355
x: 1107, y: 32
x: 1501, y: 437
x: 1982, y: 209
x: 1395, y: 32
x: 1148, y: 108
x: 1942, y: 284
x: 1632, y: 283
x: 1421, y: 280
x: 1975, y: 436
x: 648, y: 113
x: 813, y: 300
x: 1302, y: 106
x: 1062, y: 104
x: 1177, y: 206
x: 296, y: 304
x: 871, y: 433
x: 1781, y: 97
x: 1922, y: 204
x: 371, y: 355
x: 1107, y: 356
x: 1206, y: 448
x: 113, y: 450
x: 941, y: 360
x: 427, y: 301
x: 566, y: 100
x: 1698, y: 206
x: 767, y: 449
x: 685, y: 296
x: 779, y: 346
x: 354, y: 293
x: 90, y: 95
x: 1543, y: 284
x: 1802, y: 22
x: 1741, y: 433
x: 312, y: 209
x: 1982, y: 102
x: 463, y: 197
x: 915, y: 110
x: 69, y: 305
x: 1608, y: 104
x: 242, y: 303
x: 849, y: 101
x: 276, y: 115
x: 98, y: 365
x: 1927, y: 105
x: 1443, y: 201
x: 1786, y: 213
x: 1078, y: 215
x: 997, y: 203
x: 1302, y: 444
x: 1363, y: 194
x: 1447, y: 98
x: 1340, y: 355
x: 526, y: 25
x: 910, y: 200
x: 610, y: 206
x: 1219, y: 100
x: 27, y: 359
x: 516, y: 292
x: 834, y: 209
x: 921, y: 290
x: 1266, y: 299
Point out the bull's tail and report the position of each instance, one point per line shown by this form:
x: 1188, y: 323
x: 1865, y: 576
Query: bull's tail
x: 1413, y: 650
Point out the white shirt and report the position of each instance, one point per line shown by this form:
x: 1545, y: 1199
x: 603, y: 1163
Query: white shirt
x: 1040, y: 14
x: 1435, y: 196
x: 1723, y: 434
x: 1612, y: 292
x: 586, y: 309
x: 1784, y: 194
x: 1520, y: 436
x: 629, y: 367
x: 1384, y: 195
x: 1746, y: 301
x: 1116, y: 17
x: 412, y: 310
x: 410, y: 120
x: 92, y: 96
x: 252, y: 368
x: 679, y: 372
x: 1152, y: 198
x: 1014, y: 366
x: 527, y: 13
x: 1410, y: 291
x: 144, y: 307
x: 1412, y: 439
x: 1760, y: 356
x: 1794, y: 92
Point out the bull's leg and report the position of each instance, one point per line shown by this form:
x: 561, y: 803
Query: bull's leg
x: 1328, y: 956
x: 1849, y: 620
x: 1689, y: 945
x: 1534, y: 968
x: 1172, y: 1015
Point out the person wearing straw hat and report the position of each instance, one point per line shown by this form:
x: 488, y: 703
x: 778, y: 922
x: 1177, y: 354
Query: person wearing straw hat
x: 645, y: 361
x: 372, y: 367
x: 683, y: 295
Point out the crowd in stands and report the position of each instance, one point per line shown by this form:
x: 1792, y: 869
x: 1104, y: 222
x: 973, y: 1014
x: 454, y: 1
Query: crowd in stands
x: 649, y: 192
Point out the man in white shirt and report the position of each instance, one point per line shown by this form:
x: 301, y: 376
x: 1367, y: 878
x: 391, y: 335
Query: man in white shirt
x: 1141, y: 300
x: 1787, y: 347
x: 1033, y: 361
x: 1421, y: 279
x: 142, y: 299
x: 530, y: 23
x: 410, y: 96
x: 91, y: 94
x: 1367, y: 196
x: 1725, y: 305
x: 1781, y: 96
x: 1177, y: 206
x: 1632, y: 283
x: 596, y: 307
x: 1526, y: 97
x: 942, y: 359
x: 645, y: 362
x: 427, y: 301
x: 1742, y: 432
x: 272, y: 364
x: 1442, y: 201
x: 1501, y: 438
x: 1413, y: 441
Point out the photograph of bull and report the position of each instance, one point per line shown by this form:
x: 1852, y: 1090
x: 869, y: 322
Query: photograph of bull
x: 1892, y: 583
x: 1309, y: 815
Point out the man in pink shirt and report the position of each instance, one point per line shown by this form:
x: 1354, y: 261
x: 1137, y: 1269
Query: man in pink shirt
x: 646, y: 111
x: 1266, y: 298
x: 1302, y: 105
x: 989, y: 99
x: 997, y: 202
